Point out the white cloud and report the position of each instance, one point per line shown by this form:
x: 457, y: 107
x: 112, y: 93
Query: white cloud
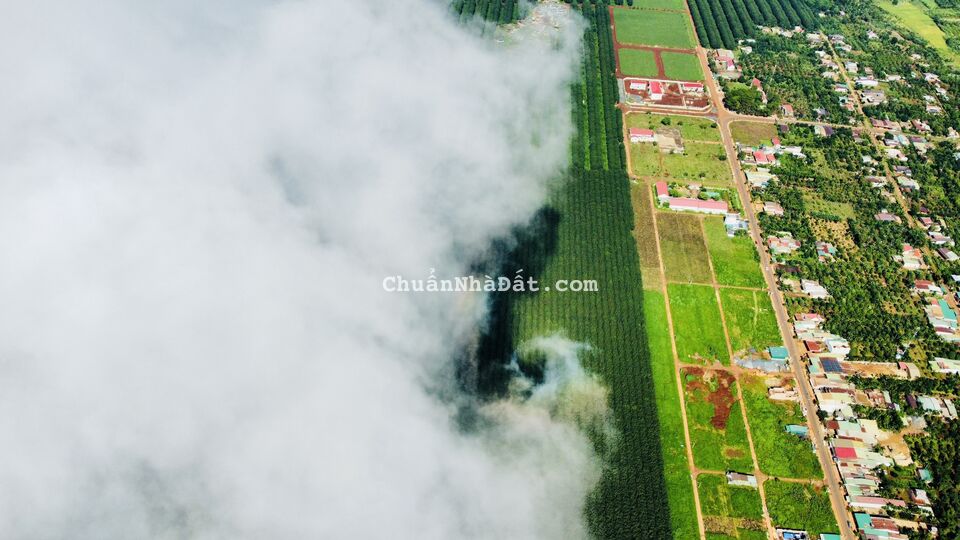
x: 197, y: 207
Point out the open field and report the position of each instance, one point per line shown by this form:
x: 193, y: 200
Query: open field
x: 751, y: 322
x: 696, y: 324
x: 638, y: 63
x: 717, y: 432
x: 779, y: 453
x: 691, y: 128
x: 815, y: 203
x: 676, y: 472
x: 752, y: 133
x: 800, y: 506
x: 717, y: 498
x: 914, y: 17
x: 677, y: 5
x: 681, y: 66
x: 644, y: 160
x: 735, y: 260
x: 646, y: 236
x: 681, y: 243
x: 700, y: 162
x: 657, y: 28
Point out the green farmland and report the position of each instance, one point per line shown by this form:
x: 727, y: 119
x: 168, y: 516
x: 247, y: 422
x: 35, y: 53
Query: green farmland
x: 654, y: 28
x: 638, y: 63
x: 735, y: 260
x: 681, y: 242
x: 700, y: 162
x: 696, y: 322
x: 751, y: 322
x: 691, y: 128
x: 780, y: 454
x: 718, y: 435
x: 717, y: 498
x: 682, y: 66
x: 800, y: 506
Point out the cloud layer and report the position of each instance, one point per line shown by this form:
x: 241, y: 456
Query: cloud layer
x: 198, y: 204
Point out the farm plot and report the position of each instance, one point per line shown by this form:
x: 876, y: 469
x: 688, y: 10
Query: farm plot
x: 696, y: 324
x: 718, y: 498
x: 751, y: 322
x: 700, y: 162
x: 735, y: 260
x: 645, y: 160
x: 795, y: 505
x: 779, y: 453
x: 676, y: 5
x: 638, y: 63
x: 676, y: 471
x: 752, y: 133
x: 717, y: 433
x: 682, y: 248
x: 691, y: 128
x: 681, y: 66
x: 654, y: 28
x: 646, y: 236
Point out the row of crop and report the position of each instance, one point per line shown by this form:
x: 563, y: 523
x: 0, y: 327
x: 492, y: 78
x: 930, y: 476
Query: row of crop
x: 501, y: 11
x: 720, y: 23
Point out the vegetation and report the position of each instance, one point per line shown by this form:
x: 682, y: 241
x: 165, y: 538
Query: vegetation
x: 779, y: 453
x: 735, y: 260
x: 691, y: 128
x: 682, y: 66
x: 750, y: 320
x: 655, y: 28
x: 700, y: 162
x: 752, y: 133
x: 681, y: 244
x: 718, y: 436
x: 638, y: 63
x: 940, y: 452
x: 722, y: 23
x: 501, y: 11
x: 696, y: 324
x: 800, y: 506
x: 717, y: 498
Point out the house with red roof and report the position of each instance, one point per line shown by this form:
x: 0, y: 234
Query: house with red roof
x: 687, y: 204
x: 656, y: 90
x: 638, y: 135
x: 663, y: 193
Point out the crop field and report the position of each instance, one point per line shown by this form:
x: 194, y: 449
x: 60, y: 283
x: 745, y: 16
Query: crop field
x: 676, y: 471
x: 717, y: 433
x: 701, y: 162
x: 646, y: 236
x: 696, y: 324
x: 691, y: 128
x: 800, y: 506
x: 586, y: 230
x: 681, y: 243
x: 752, y: 133
x: 645, y: 160
x: 681, y: 66
x: 501, y: 11
x: 654, y: 28
x: 717, y: 498
x: 735, y: 260
x: 638, y: 63
x: 676, y: 5
x: 913, y: 16
x: 720, y: 24
x: 750, y: 320
x: 779, y: 453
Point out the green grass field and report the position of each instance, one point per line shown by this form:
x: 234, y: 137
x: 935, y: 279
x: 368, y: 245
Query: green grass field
x: 644, y: 160
x: 746, y: 534
x: 800, y: 506
x: 655, y: 28
x: 681, y: 66
x: 681, y: 245
x: 659, y: 4
x: 814, y: 202
x: 714, y: 448
x: 914, y: 17
x: 676, y: 470
x: 691, y: 128
x: 717, y: 498
x: 752, y: 133
x: 751, y: 322
x: 735, y: 260
x: 700, y: 162
x: 779, y: 453
x: 696, y: 324
x: 638, y: 63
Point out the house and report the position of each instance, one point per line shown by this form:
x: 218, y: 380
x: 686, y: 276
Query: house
x: 783, y: 244
x: 852, y: 67
x: 866, y: 82
x: 919, y: 496
x: 943, y: 319
x: 939, y: 239
x: 908, y: 183
x: 639, y: 85
x: 945, y: 366
x: 656, y: 90
x: 687, y: 204
x: 692, y: 87
x: 638, y: 135
x: 663, y: 193
x: 925, y: 222
x: 911, y: 258
x: 763, y: 158
x: 825, y: 251
x: 772, y: 208
x: 778, y: 353
x: 887, y: 217
x: 740, y: 479
x: 948, y: 255
x: 800, y: 431
x: 876, y: 181
x: 787, y: 110
x: 759, y: 178
x: 923, y: 286
x: 813, y: 289
x: 823, y: 131
x: 733, y: 223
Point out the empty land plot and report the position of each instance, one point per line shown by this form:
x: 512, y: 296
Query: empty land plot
x: 794, y: 505
x: 681, y: 66
x: 735, y: 260
x: 750, y: 320
x: 696, y: 324
x: 718, y: 498
x: 638, y: 63
x: 676, y: 471
x: 779, y: 453
x: 700, y: 162
x: 682, y: 248
x: 717, y: 434
x: 816, y: 204
x: 646, y: 236
x: 691, y: 128
x: 752, y: 133
x: 656, y: 28
x: 644, y: 160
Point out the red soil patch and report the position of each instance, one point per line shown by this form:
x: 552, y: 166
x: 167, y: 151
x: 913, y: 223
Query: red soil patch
x: 714, y: 386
